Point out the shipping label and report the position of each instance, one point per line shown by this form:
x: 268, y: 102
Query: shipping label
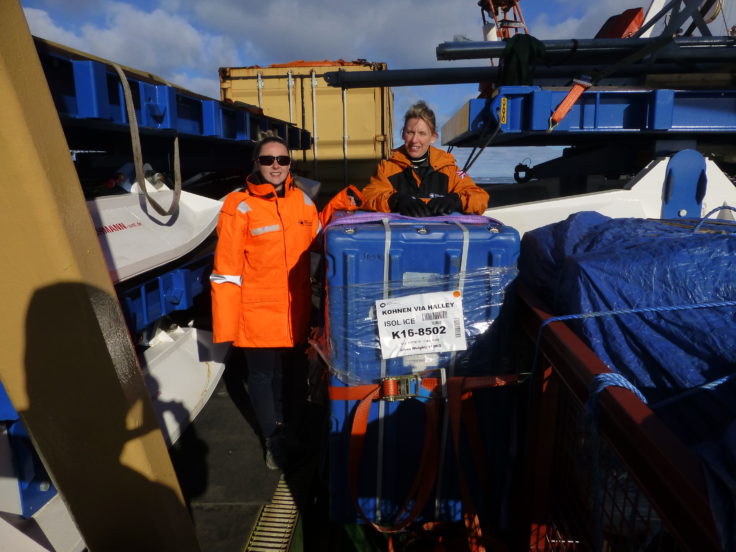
x: 421, y: 323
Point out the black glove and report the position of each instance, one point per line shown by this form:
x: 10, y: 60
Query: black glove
x: 405, y: 204
x: 355, y: 197
x: 445, y: 205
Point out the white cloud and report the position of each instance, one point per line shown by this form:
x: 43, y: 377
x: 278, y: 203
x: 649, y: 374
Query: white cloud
x: 206, y: 86
x: 154, y: 41
x: 42, y: 25
x: 577, y: 21
x: 404, y: 33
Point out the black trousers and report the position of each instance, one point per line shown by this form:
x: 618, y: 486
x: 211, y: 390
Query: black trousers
x: 277, y: 385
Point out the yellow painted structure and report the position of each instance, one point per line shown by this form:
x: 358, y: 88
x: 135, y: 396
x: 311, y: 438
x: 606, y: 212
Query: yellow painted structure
x: 351, y: 129
x: 66, y: 359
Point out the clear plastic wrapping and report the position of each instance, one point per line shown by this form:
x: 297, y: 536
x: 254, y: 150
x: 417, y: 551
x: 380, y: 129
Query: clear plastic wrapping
x: 419, y: 323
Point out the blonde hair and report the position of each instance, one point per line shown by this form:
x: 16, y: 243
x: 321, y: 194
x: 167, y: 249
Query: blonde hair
x: 421, y: 110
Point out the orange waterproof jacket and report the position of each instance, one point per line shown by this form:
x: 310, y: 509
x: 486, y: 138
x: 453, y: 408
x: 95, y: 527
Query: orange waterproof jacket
x: 396, y: 174
x: 261, y: 290
x: 347, y: 199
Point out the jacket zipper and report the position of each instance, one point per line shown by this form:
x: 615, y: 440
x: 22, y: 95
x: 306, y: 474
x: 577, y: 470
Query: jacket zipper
x: 286, y: 269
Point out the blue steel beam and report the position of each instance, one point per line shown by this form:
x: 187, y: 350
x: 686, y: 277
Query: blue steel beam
x: 523, y: 112
x: 89, y: 89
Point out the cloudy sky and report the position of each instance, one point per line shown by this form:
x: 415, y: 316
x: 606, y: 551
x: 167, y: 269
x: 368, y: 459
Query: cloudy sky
x: 185, y: 41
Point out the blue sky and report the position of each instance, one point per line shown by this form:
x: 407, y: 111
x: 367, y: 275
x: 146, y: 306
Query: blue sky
x: 185, y: 41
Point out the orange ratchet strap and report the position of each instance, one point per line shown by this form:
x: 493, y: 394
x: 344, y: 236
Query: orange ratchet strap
x: 579, y: 86
x: 405, y: 387
x: 392, y: 389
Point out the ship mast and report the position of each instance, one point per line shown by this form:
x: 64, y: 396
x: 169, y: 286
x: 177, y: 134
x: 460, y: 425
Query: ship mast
x: 507, y: 19
x: 504, y: 20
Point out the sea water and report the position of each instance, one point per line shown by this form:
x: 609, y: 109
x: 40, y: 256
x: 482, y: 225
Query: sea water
x: 496, y: 165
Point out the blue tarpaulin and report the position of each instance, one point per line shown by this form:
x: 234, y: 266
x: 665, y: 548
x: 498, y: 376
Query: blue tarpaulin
x: 680, y: 353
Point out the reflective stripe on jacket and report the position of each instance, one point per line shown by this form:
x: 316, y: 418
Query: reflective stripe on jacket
x: 261, y: 291
x: 396, y: 174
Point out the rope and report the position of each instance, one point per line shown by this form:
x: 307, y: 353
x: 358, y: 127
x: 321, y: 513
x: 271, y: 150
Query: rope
x: 725, y: 23
x: 138, y: 154
x: 619, y: 312
x: 709, y: 213
x: 470, y: 160
x: 612, y: 379
x: 708, y: 386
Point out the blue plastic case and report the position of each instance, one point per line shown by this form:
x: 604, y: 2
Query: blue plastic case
x: 423, y: 257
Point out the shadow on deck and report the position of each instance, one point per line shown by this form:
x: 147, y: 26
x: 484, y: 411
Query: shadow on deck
x: 220, y: 463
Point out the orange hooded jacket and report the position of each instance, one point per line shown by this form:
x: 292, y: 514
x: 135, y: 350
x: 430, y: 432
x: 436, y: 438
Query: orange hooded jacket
x: 396, y: 174
x: 347, y: 199
x: 261, y: 290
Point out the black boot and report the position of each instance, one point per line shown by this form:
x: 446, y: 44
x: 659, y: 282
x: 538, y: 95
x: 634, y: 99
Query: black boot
x: 277, y: 457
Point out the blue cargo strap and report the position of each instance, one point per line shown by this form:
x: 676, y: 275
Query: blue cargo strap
x: 385, y: 220
x: 463, y: 256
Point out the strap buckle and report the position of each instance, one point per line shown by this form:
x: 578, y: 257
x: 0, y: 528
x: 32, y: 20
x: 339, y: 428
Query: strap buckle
x: 400, y: 388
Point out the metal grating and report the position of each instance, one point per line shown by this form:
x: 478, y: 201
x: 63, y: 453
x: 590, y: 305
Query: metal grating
x: 274, y: 528
x: 624, y: 482
x: 596, y: 504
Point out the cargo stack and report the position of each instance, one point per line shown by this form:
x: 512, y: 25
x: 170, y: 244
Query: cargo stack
x: 405, y: 297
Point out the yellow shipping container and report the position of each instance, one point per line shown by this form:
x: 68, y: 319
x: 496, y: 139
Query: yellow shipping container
x: 351, y: 129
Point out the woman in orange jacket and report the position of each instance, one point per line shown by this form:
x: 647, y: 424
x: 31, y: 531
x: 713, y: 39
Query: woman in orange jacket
x: 261, y: 290
x: 420, y: 180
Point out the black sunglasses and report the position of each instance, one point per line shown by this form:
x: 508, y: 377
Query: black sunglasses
x: 267, y: 160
